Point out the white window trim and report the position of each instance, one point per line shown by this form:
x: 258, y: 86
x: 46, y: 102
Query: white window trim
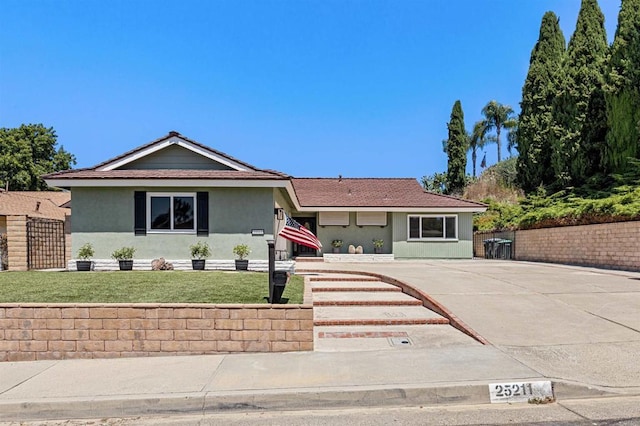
x: 443, y: 216
x: 172, y: 195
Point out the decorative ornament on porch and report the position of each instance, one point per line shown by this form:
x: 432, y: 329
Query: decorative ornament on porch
x: 124, y: 256
x: 199, y: 252
x: 85, y: 253
x: 336, y: 244
x: 377, y: 245
x: 242, y: 251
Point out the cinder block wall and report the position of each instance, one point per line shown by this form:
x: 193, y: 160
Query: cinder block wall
x: 17, y: 243
x: 61, y: 331
x: 608, y: 245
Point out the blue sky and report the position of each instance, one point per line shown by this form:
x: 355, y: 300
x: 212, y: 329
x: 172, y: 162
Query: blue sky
x: 310, y: 88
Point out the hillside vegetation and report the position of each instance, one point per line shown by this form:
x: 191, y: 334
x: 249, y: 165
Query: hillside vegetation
x: 602, y: 199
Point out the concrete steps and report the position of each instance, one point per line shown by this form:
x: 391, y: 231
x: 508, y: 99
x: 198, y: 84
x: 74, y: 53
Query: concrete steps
x: 354, y: 312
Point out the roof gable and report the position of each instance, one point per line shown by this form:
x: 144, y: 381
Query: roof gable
x: 144, y: 155
x: 175, y: 156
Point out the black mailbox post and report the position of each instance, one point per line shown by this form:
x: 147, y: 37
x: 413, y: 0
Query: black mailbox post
x: 280, y: 280
x: 277, y: 279
x: 272, y: 266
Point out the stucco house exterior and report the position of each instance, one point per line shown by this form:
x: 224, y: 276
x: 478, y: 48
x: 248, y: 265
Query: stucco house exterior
x: 172, y: 192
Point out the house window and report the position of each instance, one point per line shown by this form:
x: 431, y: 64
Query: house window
x: 171, y: 212
x: 433, y: 227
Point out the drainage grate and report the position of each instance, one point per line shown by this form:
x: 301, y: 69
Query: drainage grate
x: 399, y: 341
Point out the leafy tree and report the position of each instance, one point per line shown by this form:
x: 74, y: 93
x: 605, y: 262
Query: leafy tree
x: 27, y: 153
x: 497, y: 117
x: 437, y: 183
x: 536, y: 119
x: 456, y: 150
x: 579, y: 125
x: 623, y: 90
x: 477, y: 140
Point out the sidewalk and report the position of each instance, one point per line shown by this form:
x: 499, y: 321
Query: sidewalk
x: 575, y: 326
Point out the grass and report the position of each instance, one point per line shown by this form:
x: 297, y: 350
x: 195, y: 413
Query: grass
x: 142, y: 287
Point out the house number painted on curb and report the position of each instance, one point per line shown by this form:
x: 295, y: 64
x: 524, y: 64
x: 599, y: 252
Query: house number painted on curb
x: 520, y: 391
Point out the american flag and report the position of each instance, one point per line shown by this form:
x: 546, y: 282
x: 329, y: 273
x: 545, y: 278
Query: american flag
x: 297, y: 233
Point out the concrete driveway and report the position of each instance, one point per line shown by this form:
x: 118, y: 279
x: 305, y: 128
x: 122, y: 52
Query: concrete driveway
x: 572, y: 323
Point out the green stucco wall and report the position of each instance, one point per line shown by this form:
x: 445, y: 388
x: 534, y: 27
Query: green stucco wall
x: 461, y: 249
x: 104, y: 217
x: 355, y: 235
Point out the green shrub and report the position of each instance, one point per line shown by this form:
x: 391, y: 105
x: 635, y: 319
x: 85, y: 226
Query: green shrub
x: 86, y: 252
x: 242, y: 251
x: 200, y: 250
x: 124, y: 253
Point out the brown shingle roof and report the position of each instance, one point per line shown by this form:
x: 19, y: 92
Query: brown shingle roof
x: 377, y: 192
x: 57, y: 197
x: 26, y: 203
x: 165, y: 174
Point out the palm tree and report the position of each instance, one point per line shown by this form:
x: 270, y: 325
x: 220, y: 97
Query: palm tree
x: 477, y: 140
x: 497, y: 116
x: 512, y: 134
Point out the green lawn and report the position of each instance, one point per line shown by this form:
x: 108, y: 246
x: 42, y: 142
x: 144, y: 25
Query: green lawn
x: 142, y: 287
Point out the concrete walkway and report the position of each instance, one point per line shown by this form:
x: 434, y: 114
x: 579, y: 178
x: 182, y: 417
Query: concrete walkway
x: 578, y: 327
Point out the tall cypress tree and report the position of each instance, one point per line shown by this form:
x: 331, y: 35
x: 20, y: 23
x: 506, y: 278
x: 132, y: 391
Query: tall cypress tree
x: 579, y: 124
x: 456, y: 150
x: 539, y: 90
x: 622, y: 90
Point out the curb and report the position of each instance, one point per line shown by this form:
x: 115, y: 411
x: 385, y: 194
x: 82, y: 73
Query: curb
x: 291, y: 399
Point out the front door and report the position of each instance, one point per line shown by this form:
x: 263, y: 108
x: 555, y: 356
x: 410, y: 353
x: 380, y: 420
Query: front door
x: 310, y: 224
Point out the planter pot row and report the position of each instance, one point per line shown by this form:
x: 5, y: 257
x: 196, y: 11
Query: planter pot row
x: 127, y: 265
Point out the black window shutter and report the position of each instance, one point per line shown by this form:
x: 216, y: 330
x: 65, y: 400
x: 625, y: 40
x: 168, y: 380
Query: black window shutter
x: 140, y: 212
x: 203, y: 213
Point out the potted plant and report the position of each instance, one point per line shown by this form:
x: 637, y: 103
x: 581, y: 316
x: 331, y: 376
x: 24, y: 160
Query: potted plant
x: 242, y: 251
x: 377, y: 245
x: 124, y: 256
x: 199, y: 252
x: 85, y: 253
x: 336, y: 245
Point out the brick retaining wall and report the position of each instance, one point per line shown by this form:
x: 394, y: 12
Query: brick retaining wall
x: 608, y: 245
x: 61, y: 331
